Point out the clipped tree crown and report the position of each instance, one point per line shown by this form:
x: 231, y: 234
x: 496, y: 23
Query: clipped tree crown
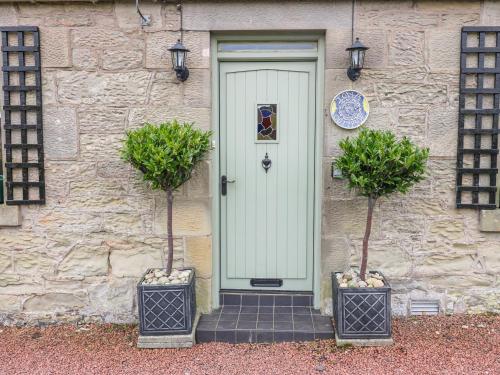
x: 376, y: 163
x: 167, y: 153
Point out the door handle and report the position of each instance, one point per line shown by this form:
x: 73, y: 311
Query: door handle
x: 224, y: 181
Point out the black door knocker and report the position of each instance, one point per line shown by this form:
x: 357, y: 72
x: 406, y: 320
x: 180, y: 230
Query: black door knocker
x: 266, y: 163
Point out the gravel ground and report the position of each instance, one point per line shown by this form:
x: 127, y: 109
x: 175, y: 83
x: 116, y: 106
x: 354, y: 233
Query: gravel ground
x: 431, y: 345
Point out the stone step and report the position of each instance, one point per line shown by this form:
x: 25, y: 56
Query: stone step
x: 259, y: 324
x: 265, y: 298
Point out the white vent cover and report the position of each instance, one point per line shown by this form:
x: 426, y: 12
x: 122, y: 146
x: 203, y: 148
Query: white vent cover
x: 424, y: 307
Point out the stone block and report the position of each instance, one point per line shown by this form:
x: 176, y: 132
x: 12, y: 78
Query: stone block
x: 110, y: 169
x: 199, y: 49
x: 84, y: 59
x: 461, y: 282
x: 55, y: 302
x: 336, y: 80
x: 199, y: 184
x: 412, y: 122
x: 103, y: 88
x: 134, y: 262
x: 54, y: 42
x: 450, y: 6
x: 446, y: 229
x: 101, y: 120
x: 372, y: 37
x: 336, y: 41
x: 198, y: 254
x: 85, y: 260
x: 157, y: 114
x: 490, y: 14
x: 393, y: 18
x: 394, y: 94
x: 49, y: 89
x: 348, y: 217
x: 190, y: 217
x: 443, y: 264
x: 60, y: 133
x: 103, y: 38
x: 157, y: 45
x: 127, y: 18
x: 203, y: 295
x: 10, y: 216
x: 335, y: 254
x: 9, y: 304
x: 406, y: 74
x: 32, y: 262
x: 97, y: 187
x: 96, y: 147
x: 469, y: 17
x: 362, y: 342
x: 443, y: 123
x: 266, y: 16
x: 196, y: 90
x: 121, y: 59
x: 489, y: 221
x: 111, y: 297
x: 71, y: 19
x: 171, y: 17
x: 166, y: 90
x: 17, y: 239
x: 447, y: 59
x: 123, y: 223
x: 406, y: 48
x: 169, y: 341
x: 5, y: 261
x: 387, y: 256
x: 8, y: 15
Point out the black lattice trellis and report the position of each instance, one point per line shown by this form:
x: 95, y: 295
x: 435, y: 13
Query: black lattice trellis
x: 479, y: 103
x: 364, y: 313
x: 22, y: 105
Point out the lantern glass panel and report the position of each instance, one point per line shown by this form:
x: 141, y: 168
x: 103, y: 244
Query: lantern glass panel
x: 180, y: 59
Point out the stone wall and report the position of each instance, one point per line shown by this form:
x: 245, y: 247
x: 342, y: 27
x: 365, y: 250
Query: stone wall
x: 81, y: 254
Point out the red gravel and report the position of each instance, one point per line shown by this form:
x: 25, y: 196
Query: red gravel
x: 437, y: 345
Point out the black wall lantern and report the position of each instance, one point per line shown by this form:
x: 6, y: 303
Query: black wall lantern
x: 357, y: 59
x: 179, y: 57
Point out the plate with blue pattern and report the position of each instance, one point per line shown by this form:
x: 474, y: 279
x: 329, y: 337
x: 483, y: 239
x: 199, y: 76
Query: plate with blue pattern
x: 349, y: 109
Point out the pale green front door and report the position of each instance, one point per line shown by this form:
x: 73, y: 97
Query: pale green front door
x: 267, y: 214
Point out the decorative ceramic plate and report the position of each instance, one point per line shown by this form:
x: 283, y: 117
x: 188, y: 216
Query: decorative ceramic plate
x: 349, y: 109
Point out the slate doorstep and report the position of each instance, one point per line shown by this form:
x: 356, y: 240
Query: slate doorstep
x: 169, y: 341
x: 362, y: 342
x: 263, y: 324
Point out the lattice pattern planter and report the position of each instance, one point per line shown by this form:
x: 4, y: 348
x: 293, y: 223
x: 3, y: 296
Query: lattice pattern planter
x: 362, y: 313
x: 166, y: 309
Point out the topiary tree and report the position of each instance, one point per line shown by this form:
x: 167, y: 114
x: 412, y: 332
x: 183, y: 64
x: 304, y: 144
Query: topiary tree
x: 376, y: 164
x: 166, y: 155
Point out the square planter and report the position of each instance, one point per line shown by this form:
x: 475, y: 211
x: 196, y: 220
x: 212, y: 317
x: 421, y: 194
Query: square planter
x: 362, y: 313
x: 166, y: 309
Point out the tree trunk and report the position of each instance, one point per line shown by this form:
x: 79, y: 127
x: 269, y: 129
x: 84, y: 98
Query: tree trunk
x: 170, y: 255
x: 364, y: 256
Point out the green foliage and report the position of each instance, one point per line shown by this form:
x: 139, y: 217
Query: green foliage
x: 166, y: 154
x: 377, y: 164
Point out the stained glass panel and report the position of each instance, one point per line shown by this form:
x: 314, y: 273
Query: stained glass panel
x: 267, y: 122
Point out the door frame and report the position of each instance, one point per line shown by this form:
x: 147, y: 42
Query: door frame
x: 319, y: 58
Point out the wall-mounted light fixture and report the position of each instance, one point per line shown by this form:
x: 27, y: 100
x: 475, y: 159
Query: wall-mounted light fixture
x: 179, y: 57
x: 357, y: 59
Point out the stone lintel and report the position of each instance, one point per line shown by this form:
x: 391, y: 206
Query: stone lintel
x: 489, y: 221
x: 10, y: 216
